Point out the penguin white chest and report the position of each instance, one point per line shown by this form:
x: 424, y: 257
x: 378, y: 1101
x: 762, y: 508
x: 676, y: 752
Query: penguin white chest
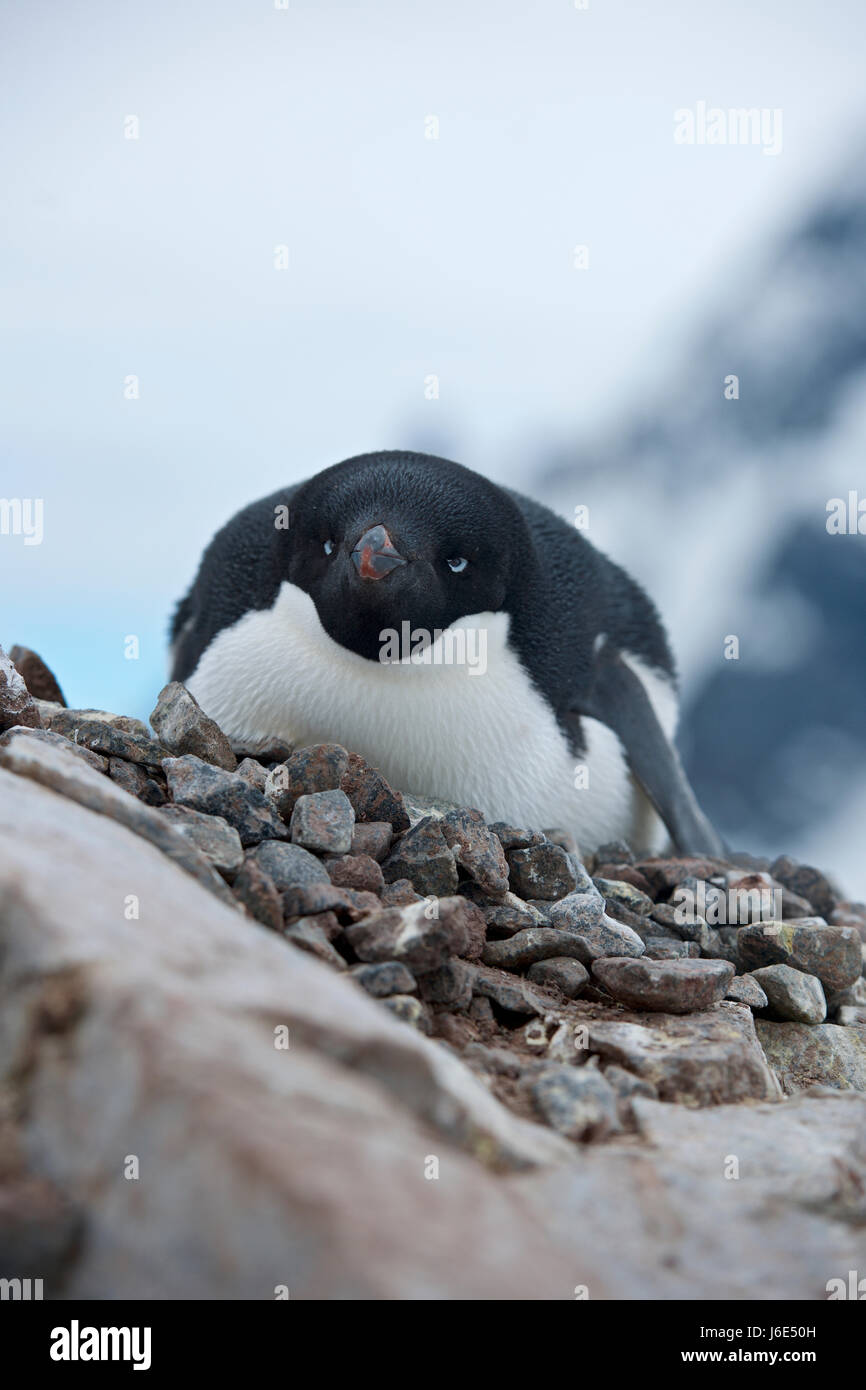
x: 468, y: 725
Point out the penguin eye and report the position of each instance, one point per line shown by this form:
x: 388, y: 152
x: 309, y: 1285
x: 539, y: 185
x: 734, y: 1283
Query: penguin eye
x: 457, y: 566
x: 328, y: 547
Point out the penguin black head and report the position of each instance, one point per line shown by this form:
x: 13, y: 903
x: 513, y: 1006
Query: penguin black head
x: 389, y: 538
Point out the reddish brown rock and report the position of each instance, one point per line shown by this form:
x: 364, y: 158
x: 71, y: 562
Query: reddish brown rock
x: 254, y: 889
x: 323, y: 821
x: 400, y: 893
x: 665, y: 986
x: 39, y: 678
x: 371, y: 796
x: 318, y: 768
x: 372, y: 837
x: 356, y: 871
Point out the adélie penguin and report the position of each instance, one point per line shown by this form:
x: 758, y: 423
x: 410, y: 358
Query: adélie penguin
x: 461, y: 637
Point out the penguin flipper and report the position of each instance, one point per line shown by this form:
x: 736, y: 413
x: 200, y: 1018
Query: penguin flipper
x: 617, y: 697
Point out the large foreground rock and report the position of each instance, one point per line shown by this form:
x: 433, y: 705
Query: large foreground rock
x: 159, y: 1140
x: 804, y: 1056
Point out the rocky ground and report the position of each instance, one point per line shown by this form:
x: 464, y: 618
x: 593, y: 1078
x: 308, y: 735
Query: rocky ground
x: 570, y: 992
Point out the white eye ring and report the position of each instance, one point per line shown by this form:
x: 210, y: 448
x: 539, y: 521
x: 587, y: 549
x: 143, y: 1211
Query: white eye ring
x: 329, y: 547
x: 457, y: 566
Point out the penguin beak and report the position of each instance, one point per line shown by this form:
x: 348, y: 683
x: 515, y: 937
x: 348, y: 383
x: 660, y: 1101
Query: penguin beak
x: 375, y: 554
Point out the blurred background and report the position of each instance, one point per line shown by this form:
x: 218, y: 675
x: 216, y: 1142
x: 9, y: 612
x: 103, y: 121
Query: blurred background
x: 242, y: 241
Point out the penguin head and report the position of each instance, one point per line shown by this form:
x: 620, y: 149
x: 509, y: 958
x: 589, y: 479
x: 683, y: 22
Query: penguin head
x: 389, y: 538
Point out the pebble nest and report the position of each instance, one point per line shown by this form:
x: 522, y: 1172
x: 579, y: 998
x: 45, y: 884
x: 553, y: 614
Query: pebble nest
x: 569, y: 983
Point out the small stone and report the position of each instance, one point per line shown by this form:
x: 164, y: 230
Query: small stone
x: 422, y: 855
x: 576, y: 1101
x: 253, y: 772
x: 254, y: 889
x: 744, y: 989
x: 93, y: 760
x: 197, y: 784
x: 356, y: 871
x: 510, y: 837
x: 68, y: 721
x: 531, y: 945
x: 476, y: 849
x: 371, y: 796
x: 409, y: 935
x: 560, y: 972
x: 400, y: 893
x: 323, y: 821
x: 651, y: 930
x: 511, y: 915
x: 666, y: 915
x: 373, y: 838
x: 302, y: 899
x: 218, y: 841
x: 132, y: 778
x: 318, y: 768
x: 624, y: 894
x: 183, y: 727
x: 663, y: 875
x: 577, y: 911
x: 657, y: 949
x: 112, y: 742
x: 807, y: 882
x: 792, y: 996
x: 606, y: 938
x: 471, y: 921
x: 410, y: 1010
x: 622, y: 873
x: 17, y: 705
x: 511, y: 992
x: 541, y: 871
x: 831, y: 953
x: 289, y: 866
x: 451, y: 984
x: 310, y: 938
x: 388, y: 977
x: 666, y: 986
x: 39, y: 679
x: 620, y: 913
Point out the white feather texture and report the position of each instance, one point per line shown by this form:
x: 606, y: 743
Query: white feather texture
x: 485, y: 740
